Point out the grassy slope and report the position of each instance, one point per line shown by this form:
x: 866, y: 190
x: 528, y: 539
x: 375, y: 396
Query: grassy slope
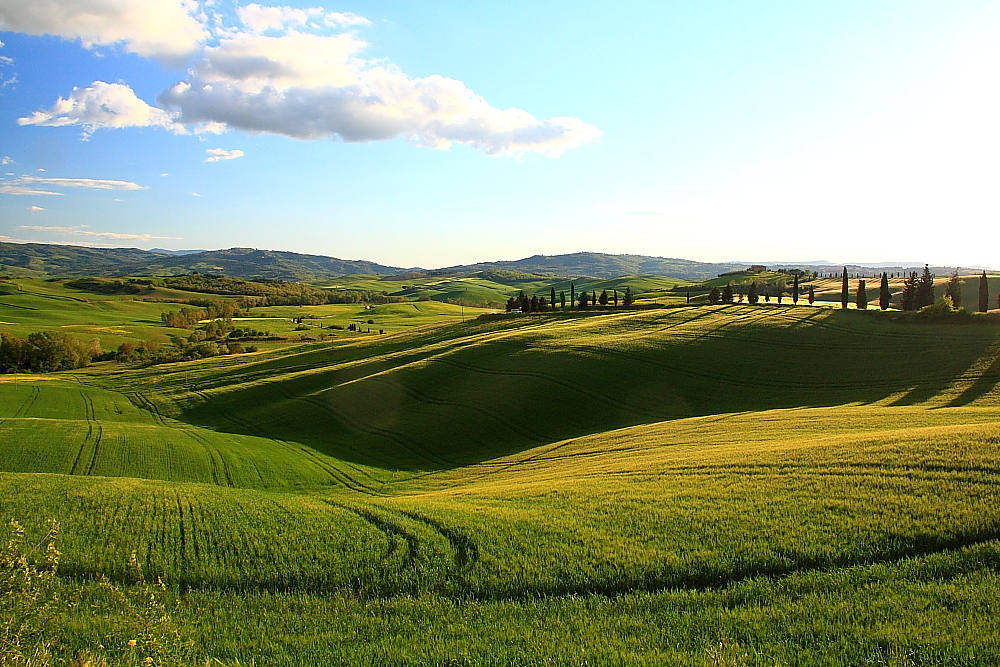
x: 457, y: 473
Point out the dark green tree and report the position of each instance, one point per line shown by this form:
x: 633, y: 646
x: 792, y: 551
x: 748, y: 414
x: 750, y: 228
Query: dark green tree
x: 543, y: 305
x: 572, y: 293
x: 925, y: 289
x: 954, y: 289
x: 616, y: 298
x: 593, y: 298
x: 562, y: 299
x: 779, y: 287
x: 862, y: 298
x: 583, y: 299
x: 812, y: 295
x: 752, y: 296
x: 883, y: 292
x: 844, y: 296
x: 984, y: 294
x: 727, y: 294
x: 552, y: 297
x: 795, y: 290
x: 628, y: 300
x: 603, y: 299
x: 714, y: 295
x: 533, y: 304
x: 688, y: 298
x: 908, y: 300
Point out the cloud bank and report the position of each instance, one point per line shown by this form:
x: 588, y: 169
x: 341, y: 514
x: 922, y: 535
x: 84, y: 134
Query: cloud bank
x: 82, y: 230
x: 34, y: 185
x: 303, y: 84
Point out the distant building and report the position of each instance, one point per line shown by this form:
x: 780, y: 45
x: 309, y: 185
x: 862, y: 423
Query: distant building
x: 757, y: 268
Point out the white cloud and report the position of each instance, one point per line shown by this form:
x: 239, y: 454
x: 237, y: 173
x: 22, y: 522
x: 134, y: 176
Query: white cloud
x: 6, y: 159
x: 35, y: 208
x: 216, y: 154
x: 313, y: 86
x: 261, y: 19
x: 195, y: 194
x: 39, y: 169
x: 99, y: 106
x: 33, y: 185
x: 162, y: 29
x: 164, y: 174
x: 6, y: 60
x: 82, y: 230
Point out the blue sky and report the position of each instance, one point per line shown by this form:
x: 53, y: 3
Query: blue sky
x: 846, y: 131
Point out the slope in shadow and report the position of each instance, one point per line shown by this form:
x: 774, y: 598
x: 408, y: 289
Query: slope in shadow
x: 495, y: 392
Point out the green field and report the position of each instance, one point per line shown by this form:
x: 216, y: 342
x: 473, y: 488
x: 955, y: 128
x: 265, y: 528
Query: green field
x: 711, y: 485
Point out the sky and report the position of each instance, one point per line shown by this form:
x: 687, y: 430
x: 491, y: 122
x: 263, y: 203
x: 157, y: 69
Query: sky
x: 440, y: 133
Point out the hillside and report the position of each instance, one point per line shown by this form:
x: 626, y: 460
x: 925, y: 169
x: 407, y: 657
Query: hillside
x: 692, y: 485
x: 37, y: 259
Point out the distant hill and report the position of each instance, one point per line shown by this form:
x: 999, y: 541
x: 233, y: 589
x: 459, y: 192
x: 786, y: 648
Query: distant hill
x: 60, y: 260
x: 38, y: 259
x: 600, y: 265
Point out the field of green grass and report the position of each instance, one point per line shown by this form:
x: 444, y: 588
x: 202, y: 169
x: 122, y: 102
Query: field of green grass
x: 712, y: 485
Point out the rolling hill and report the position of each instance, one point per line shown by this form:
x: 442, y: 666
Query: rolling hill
x: 694, y: 485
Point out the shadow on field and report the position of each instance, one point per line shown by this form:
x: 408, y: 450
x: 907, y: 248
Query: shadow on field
x: 485, y: 390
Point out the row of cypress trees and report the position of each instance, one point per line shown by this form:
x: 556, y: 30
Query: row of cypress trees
x: 538, y: 304
x: 918, y: 291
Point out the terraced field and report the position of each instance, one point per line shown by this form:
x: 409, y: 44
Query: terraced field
x: 706, y: 485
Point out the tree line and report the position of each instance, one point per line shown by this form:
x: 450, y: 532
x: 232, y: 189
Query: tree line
x: 539, y: 304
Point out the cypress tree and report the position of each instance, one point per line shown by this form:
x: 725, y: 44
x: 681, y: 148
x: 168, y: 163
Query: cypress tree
x: 593, y: 298
x: 552, y: 297
x: 727, y: 294
x: 689, y: 297
x: 844, y: 296
x: 562, y: 298
x: 583, y: 299
x: 616, y: 299
x: 780, y: 288
x: 883, y: 292
x: 984, y: 294
x: 925, y: 289
x: 713, y: 296
x: 533, y: 304
x: 954, y: 289
x: 752, y: 297
x: 795, y: 290
x: 909, y: 297
x: 603, y: 299
x: 812, y: 295
x: 862, y: 299
x: 628, y: 301
x: 572, y: 293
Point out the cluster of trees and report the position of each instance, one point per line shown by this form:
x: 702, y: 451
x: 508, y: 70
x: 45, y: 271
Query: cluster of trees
x: 538, y: 304
x: 269, y: 292
x: 755, y: 289
x: 45, y: 351
x: 186, y: 318
x: 98, y: 286
x: 918, y: 292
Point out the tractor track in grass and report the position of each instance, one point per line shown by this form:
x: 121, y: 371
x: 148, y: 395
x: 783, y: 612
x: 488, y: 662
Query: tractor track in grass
x: 97, y: 449
x: 466, y: 550
x: 392, y: 532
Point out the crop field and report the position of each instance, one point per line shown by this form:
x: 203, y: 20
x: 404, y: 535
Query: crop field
x: 706, y: 485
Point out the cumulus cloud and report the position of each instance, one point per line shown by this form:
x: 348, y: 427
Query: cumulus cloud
x: 313, y: 86
x: 35, y: 185
x: 216, y: 154
x: 161, y: 29
x: 6, y: 159
x: 82, y: 230
x: 99, y: 106
x: 6, y: 60
x: 35, y: 208
x: 307, y: 85
x: 195, y: 194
